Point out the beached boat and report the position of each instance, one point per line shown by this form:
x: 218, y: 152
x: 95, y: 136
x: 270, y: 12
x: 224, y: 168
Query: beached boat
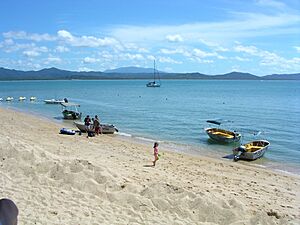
x: 9, y: 99
x: 106, y: 128
x: 154, y: 83
x: 32, y: 98
x: 22, y: 98
x: 54, y: 101
x: 70, y: 111
x: 222, y: 135
x: 251, y: 151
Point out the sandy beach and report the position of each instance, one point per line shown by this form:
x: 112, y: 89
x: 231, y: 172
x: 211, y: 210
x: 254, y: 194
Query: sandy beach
x: 60, y: 179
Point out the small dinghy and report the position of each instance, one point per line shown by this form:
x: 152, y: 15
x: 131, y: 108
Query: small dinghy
x: 106, y: 128
x: 9, y: 99
x: 67, y: 131
x: 32, y: 98
x: 70, y: 111
x: 222, y: 135
x: 22, y: 98
x: 251, y: 151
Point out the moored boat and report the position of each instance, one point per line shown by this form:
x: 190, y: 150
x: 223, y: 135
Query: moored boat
x: 155, y: 74
x: 32, y: 98
x: 106, y: 128
x: 9, y: 99
x: 70, y: 111
x: 53, y: 101
x: 251, y: 151
x: 22, y: 98
x: 222, y: 135
x: 1, y: 99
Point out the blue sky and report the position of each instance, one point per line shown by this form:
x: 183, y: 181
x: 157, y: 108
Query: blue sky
x: 211, y: 37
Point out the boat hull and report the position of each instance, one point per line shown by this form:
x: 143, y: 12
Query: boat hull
x: 151, y: 84
x: 252, y: 150
x: 106, y: 128
x: 223, y: 136
x: 53, y: 101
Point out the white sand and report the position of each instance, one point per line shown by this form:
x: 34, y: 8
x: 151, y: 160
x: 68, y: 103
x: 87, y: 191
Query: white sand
x: 59, y: 179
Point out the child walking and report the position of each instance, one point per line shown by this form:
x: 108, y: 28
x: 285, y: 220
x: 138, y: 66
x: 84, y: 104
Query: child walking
x: 155, y: 148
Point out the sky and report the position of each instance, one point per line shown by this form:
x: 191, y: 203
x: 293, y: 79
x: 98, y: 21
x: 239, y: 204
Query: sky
x: 211, y: 37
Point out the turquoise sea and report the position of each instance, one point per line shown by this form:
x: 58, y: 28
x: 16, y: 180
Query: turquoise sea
x: 175, y: 114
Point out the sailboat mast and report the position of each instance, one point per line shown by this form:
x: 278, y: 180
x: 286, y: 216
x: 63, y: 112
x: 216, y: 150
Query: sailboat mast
x: 154, y: 70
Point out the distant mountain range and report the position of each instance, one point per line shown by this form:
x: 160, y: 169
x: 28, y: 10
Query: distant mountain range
x: 131, y: 69
x: 131, y: 73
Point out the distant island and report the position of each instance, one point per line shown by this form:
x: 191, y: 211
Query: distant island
x: 131, y: 73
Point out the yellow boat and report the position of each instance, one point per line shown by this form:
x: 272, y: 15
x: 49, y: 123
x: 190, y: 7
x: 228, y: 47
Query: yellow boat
x: 221, y: 135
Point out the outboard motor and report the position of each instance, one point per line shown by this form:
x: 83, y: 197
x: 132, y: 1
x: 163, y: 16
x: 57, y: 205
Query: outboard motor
x: 237, y: 152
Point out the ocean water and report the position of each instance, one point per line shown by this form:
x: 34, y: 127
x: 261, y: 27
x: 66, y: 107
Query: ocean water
x: 175, y: 114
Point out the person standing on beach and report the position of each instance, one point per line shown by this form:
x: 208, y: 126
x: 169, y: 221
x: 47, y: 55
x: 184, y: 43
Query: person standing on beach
x: 87, y: 123
x: 97, y: 127
x: 155, y: 149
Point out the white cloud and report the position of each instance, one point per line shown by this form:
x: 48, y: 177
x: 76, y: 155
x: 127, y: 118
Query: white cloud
x: 6, y: 42
x: 129, y: 56
x: 52, y: 60
x: 31, y: 53
x: 27, y: 36
x: 61, y: 49
x: 202, y: 54
x: 134, y: 47
x: 252, y: 50
x: 86, y: 41
x: 151, y: 57
x: 241, y: 25
x: 172, y: 51
x: 90, y: 60
x: 297, y: 48
x: 34, y: 51
x: 241, y: 59
x: 269, y: 58
x: 174, y: 38
x: 168, y: 60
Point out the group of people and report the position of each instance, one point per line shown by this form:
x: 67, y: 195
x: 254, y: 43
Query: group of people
x: 92, y: 125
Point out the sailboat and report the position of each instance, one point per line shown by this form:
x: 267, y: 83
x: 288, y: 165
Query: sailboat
x: 154, y: 83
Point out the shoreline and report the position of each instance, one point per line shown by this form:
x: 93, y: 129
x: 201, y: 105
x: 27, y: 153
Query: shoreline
x: 181, y: 148
x: 59, y: 179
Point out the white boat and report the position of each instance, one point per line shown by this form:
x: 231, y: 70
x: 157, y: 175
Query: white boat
x: 9, y: 99
x: 1, y: 99
x: 54, y: 101
x: 70, y: 111
x: 106, y: 128
x: 154, y: 83
x: 251, y: 151
x: 222, y: 135
x: 32, y: 98
x: 22, y: 98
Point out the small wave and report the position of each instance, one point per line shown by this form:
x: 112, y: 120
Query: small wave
x: 125, y: 134
x: 287, y: 172
x: 145, y: 139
